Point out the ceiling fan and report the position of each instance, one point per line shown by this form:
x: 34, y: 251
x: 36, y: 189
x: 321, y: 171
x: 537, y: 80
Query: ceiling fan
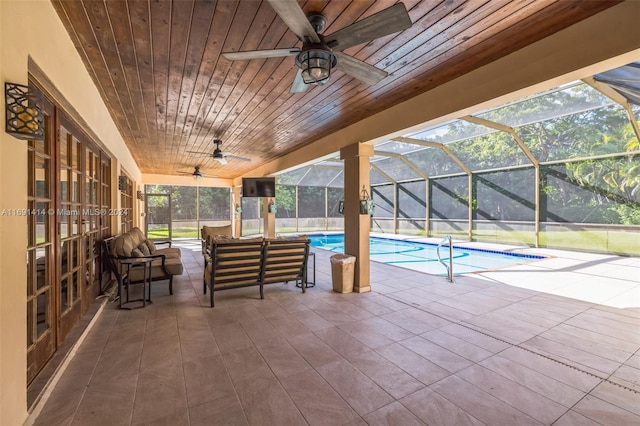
x: 320, y: 53
x: 218, y: 155
x: 197, y: 173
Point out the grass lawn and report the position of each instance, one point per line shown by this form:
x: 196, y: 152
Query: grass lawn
x: 181, y: 232
x: 615, y: 242
x: 596, y: 241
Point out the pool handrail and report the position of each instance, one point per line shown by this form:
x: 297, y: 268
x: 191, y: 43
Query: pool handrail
x: 448, y: 267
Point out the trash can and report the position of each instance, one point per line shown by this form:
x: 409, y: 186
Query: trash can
x: 342, y: 270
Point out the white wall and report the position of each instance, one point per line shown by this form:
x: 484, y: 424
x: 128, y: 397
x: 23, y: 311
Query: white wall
x: 30, y: 28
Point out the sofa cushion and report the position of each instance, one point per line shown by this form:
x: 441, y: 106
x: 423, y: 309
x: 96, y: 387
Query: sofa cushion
x: 170, y: 252
x: 137, y: 235
x: 136, y: 252
x: 144, y: 249
x: 224, y: 240
x: 209, y: 232
x: 123, y: 245
x: 173, y: 267
x: 152, y: 247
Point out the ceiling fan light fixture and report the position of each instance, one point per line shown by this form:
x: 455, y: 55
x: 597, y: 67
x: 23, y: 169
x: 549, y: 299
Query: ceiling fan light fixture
x: 197, y: 174
x: 316, y: 63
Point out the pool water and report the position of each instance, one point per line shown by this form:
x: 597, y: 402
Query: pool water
x: 423, y: 257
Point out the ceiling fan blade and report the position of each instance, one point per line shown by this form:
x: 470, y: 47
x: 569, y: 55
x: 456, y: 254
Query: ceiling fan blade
x: 199, y: 152
x: 221, y: 160
x: 299, y: 86
x: 359, y: 69
x: 234, y: 157
x: 293, y: 15
x: 260, y: 54
x: 387, y: 21
x: 184, y: 173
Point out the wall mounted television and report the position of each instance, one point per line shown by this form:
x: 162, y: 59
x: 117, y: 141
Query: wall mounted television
x: 259, y: 187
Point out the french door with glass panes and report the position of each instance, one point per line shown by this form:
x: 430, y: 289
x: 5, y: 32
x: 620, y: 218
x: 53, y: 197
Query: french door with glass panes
x: 69, y: 192
x: 82, y: 221
x: 41, y: 329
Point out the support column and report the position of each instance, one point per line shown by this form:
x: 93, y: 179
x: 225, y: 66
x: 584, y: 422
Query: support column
x: 269, y: 218
x: 236, y: 217
x: 356, y: 225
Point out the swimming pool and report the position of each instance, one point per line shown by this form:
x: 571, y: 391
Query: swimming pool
x: 423, y: 257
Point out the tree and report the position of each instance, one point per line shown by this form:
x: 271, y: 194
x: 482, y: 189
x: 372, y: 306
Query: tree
x: 286, y: 201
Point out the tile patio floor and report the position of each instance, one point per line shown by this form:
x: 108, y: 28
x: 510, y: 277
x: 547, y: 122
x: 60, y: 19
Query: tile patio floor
x: 556, y: 347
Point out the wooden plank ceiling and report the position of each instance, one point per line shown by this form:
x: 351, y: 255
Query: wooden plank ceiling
x: 158, y: 67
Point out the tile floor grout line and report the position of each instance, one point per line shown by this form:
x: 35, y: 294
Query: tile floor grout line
x: 517, y: 345
x: 86, y: 387
x: 574, y: 405
x: 184, y: 379
x: 144, y: 338
x: 322, y: 377
x: 390, y: 296
x: 220, y: 354
x: 50, y: 387
x: 226, y: 369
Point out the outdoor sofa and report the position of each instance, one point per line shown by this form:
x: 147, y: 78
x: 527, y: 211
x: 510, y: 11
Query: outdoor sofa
x: 235, y: 263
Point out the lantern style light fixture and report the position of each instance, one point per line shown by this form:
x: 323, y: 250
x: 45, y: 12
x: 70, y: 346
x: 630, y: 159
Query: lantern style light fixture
x: 123, y: 183
x: 24, y: 116
x: 367, y: 206
x: 316, y: 61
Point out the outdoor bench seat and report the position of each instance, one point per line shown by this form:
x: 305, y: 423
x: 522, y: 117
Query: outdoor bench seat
x: 236, y: 263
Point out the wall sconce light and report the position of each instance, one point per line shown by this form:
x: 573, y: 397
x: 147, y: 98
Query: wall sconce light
x: 140, y: 195
x: 238, y: 209
x: 272, y: 208
x: 123, y: 184
x: 24, y: 117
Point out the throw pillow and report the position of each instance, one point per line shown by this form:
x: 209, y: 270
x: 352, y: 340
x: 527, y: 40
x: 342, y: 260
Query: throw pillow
x: 144, y: 249
x: 151, y: 246
x: 214, y: 238
x: 136, y: 253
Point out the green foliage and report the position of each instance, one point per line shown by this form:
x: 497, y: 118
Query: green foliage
x: 286, y: 201
x: 187, y: 203
x: 576, y: 122
x: 628, y: 214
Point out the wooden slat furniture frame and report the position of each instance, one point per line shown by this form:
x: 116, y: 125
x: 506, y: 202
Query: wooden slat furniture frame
x: 285, y: 260
x: 246, y: 263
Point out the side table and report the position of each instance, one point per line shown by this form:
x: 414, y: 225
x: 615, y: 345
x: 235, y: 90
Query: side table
x: 308, y: 283
x: 127, y: 265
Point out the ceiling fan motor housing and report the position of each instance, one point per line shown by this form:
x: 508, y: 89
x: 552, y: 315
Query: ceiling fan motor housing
x: 317, y: 20
x: 316, y: 59
x: 217, y: 152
